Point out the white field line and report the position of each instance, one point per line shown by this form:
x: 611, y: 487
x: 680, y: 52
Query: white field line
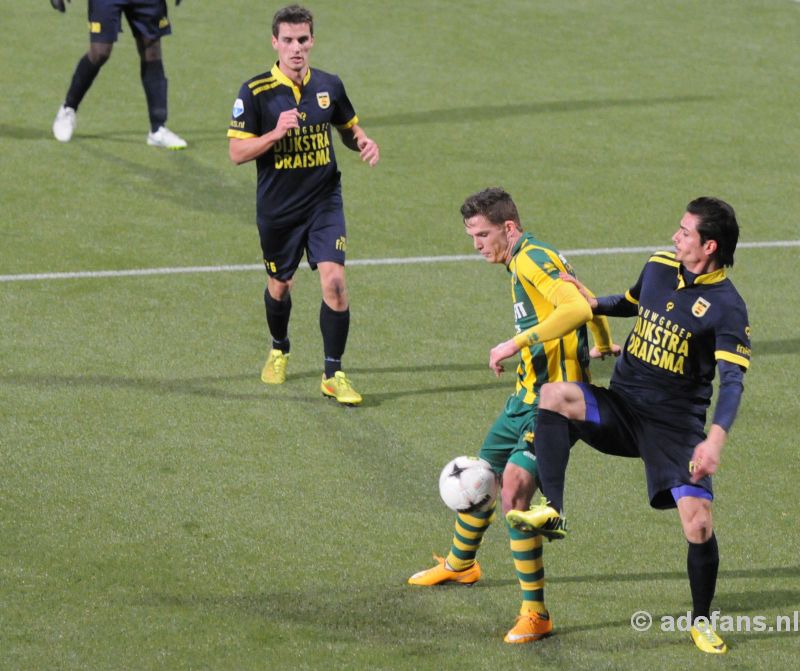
x: 409, y: 260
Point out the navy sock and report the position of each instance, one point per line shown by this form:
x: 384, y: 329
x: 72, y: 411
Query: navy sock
x: 82, y: 79
x: 334, y: 326
x: 155, y: 90
x: 552, y: 445
x: 278, y: 313
x: 702, y: 564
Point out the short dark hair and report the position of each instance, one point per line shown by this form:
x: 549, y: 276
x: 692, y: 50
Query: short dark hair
x: 493, y: 203
x: 718, y: 223
x: 292, y: 14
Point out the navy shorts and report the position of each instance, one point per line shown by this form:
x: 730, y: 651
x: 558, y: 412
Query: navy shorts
x: 614, y: 426
x: 320, y: 234
x: 147, y: 18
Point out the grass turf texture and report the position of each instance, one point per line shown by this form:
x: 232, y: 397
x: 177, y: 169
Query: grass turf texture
x: 161, y: 508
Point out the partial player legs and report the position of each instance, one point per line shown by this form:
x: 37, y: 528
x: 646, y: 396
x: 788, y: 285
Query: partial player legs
x: 334, y: 324
x: 533, y: 621
x: 702, y: 566
x: 277, y: 313
x: 460, y: 566
x: 85, y: 73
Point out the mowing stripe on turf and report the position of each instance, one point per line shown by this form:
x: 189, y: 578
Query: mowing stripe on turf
x: 137, y: 272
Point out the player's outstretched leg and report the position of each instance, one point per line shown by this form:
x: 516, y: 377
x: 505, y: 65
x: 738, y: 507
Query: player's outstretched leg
x: 460, y: 566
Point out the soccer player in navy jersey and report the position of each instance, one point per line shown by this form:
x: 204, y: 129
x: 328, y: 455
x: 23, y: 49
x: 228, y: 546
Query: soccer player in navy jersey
x: 283, y: 119
x: 690, y: 319
x: 550, y: 320
x: 149, y: 22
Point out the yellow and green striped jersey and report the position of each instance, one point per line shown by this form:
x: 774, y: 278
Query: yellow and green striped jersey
x: 534, y: 268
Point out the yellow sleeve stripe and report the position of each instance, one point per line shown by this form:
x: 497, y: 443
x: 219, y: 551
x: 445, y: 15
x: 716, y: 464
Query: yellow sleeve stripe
x: 266, y: 87
x: 258, y: 82
x: 630, y: 298
x: 349, y: 124
x: 666, y: 260
x: 719, y: 355
x: 240, y: 134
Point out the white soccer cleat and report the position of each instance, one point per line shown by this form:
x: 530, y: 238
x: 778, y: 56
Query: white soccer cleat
x: 165, y: 138
x: 64, y: 125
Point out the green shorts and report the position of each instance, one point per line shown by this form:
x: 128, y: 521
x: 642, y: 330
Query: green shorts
x: 510, y: 440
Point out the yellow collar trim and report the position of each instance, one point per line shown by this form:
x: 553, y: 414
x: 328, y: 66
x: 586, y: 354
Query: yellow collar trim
x: 283, y: 79
x: 713, y: 277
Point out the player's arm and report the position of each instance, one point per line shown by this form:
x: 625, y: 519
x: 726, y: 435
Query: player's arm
x: 59, y: 5
x: 244, y: 149
x: 706, y: 456
x: 616, y: 305
x: 571, y: 312
x: 356, y: 139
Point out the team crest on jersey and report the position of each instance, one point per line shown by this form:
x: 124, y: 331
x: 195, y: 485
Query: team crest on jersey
x: 323, y: 100
x: 700, y: 307
x: 238, y: 108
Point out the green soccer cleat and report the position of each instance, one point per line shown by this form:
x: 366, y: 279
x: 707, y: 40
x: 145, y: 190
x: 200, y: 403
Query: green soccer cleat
x: 274, y: 371
x: 541, y: 518
x: 706, y: 639
x: 340, y: 388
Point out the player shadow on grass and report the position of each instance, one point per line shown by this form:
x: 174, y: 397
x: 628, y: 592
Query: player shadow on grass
x: 206, y: 386
x: 492, y: 112
x: 649, y: 576
x: 14, y: 132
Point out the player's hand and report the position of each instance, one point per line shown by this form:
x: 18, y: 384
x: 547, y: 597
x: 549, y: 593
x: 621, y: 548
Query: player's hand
x: 505, y: 350
x: 597, y: 353
x: 369, y: 151
x: 591, y: 300
x: 59, y: 5
x: 287, y: 120
x: 705, y: 459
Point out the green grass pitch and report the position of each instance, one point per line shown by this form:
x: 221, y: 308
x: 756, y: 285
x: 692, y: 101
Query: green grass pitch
x: 160, y: 508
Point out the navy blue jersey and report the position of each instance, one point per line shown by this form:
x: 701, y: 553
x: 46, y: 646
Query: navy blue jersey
x: 683, y: 327
x: 301, y: 167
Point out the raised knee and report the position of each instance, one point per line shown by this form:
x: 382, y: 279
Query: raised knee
x: 551, y: 397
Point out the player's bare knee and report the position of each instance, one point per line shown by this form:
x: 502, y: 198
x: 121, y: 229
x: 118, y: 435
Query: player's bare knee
x: 697, y: 524
x: 553, y: 397
x: 149, y: 49
x: 99, y: 53
x: 279, y: 290
x: 334, y: 292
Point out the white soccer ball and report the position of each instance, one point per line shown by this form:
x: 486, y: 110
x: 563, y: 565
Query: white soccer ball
x: 468, y: 485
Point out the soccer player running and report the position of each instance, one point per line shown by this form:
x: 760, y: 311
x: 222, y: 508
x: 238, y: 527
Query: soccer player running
x: 282, y: 119
x: 149, y: 23
x: 549, y: 317
x: 689, y: 318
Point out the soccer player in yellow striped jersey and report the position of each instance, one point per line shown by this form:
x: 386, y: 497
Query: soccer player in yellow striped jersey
x: 550, y: 318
